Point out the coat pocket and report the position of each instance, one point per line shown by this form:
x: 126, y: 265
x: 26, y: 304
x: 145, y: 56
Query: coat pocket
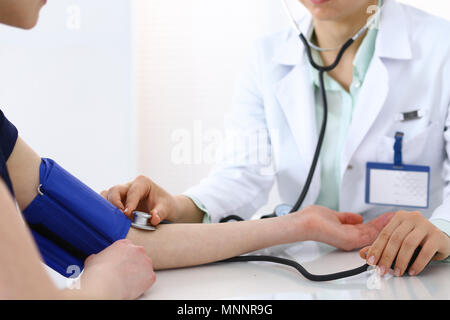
x: 414, y: 149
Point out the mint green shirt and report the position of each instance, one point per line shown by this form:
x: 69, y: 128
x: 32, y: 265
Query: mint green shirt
x: 341, y: 104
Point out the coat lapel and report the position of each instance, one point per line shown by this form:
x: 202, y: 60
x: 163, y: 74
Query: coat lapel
x: 392, y: 44
x: 371, y: 100
x: 296, y: 98
x: 295, y: 95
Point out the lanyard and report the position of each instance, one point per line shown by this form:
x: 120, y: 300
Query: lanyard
x: 398, y: 162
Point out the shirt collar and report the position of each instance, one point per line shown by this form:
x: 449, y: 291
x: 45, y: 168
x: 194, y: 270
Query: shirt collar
x: 361, y: 62
x: 393, y: 40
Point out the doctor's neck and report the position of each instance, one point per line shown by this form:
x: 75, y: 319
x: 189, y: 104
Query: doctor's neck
x: 334, y: 32
x: 333, y: 26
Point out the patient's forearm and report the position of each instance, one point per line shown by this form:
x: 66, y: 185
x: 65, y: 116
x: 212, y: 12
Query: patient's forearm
x: 182, y: 245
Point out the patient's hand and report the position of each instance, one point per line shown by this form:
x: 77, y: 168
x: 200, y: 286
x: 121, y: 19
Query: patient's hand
x: 142, y: 194
x: 343, y: 230
x: 121, y: 271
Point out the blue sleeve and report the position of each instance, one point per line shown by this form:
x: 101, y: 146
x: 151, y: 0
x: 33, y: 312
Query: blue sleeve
x: 70, y: 221
x: 8, y: 138
x: 8, y: 134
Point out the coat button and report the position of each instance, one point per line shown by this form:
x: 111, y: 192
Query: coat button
x: 349, y: 167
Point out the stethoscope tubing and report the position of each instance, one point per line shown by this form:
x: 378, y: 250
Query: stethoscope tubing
x: 322, y: 70
x: 299, y: 267
x: 260, y: 258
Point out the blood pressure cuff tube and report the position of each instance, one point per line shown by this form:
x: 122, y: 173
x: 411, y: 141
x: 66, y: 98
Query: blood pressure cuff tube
x: 69, y: 221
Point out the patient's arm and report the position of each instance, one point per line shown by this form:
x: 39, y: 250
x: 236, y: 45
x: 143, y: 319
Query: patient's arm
x: 121, y: 271
x: 175, y: 245
x: 187, y: 244
x: 22, y: 276
x: 181, y: 245
x: 23, y: 167
x: 107, y: 275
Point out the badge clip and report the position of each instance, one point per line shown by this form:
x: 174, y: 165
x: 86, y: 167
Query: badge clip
x: 411, y: 115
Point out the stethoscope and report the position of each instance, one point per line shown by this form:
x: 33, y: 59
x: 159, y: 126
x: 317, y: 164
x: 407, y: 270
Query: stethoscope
x: 284, y: 208
x: 140, y: 220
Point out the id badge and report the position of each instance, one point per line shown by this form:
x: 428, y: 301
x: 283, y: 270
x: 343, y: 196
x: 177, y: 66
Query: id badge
x: 397, y: 184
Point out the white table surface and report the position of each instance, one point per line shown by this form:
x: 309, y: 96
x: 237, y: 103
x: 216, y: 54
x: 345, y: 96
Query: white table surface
x: 258, y: 280
x: 264, y: 281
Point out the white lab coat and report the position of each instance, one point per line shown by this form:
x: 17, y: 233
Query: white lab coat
x: 410, y: 71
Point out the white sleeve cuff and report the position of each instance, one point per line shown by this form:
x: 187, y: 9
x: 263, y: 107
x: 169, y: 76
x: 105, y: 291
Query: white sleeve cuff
x: 444, y: 226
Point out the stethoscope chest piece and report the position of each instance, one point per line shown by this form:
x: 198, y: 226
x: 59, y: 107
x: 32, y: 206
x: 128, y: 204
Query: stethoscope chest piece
x: 283, y: 209
x: 141, y: 221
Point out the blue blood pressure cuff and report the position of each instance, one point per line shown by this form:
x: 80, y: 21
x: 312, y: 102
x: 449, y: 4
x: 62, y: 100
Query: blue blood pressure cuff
x: 69, y: 221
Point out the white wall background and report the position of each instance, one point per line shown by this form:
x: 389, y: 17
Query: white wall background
x: 189, y: 53
x: 68, y: 87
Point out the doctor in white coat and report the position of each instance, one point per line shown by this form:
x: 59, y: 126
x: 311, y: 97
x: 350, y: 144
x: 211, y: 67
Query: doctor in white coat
x: 395, y: 78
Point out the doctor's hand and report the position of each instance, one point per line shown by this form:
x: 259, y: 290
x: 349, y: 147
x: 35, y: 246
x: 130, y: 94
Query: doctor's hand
x: 121, y: 271
x: 342, y: 230
x: 142, y: 194
x: 400, y: 238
